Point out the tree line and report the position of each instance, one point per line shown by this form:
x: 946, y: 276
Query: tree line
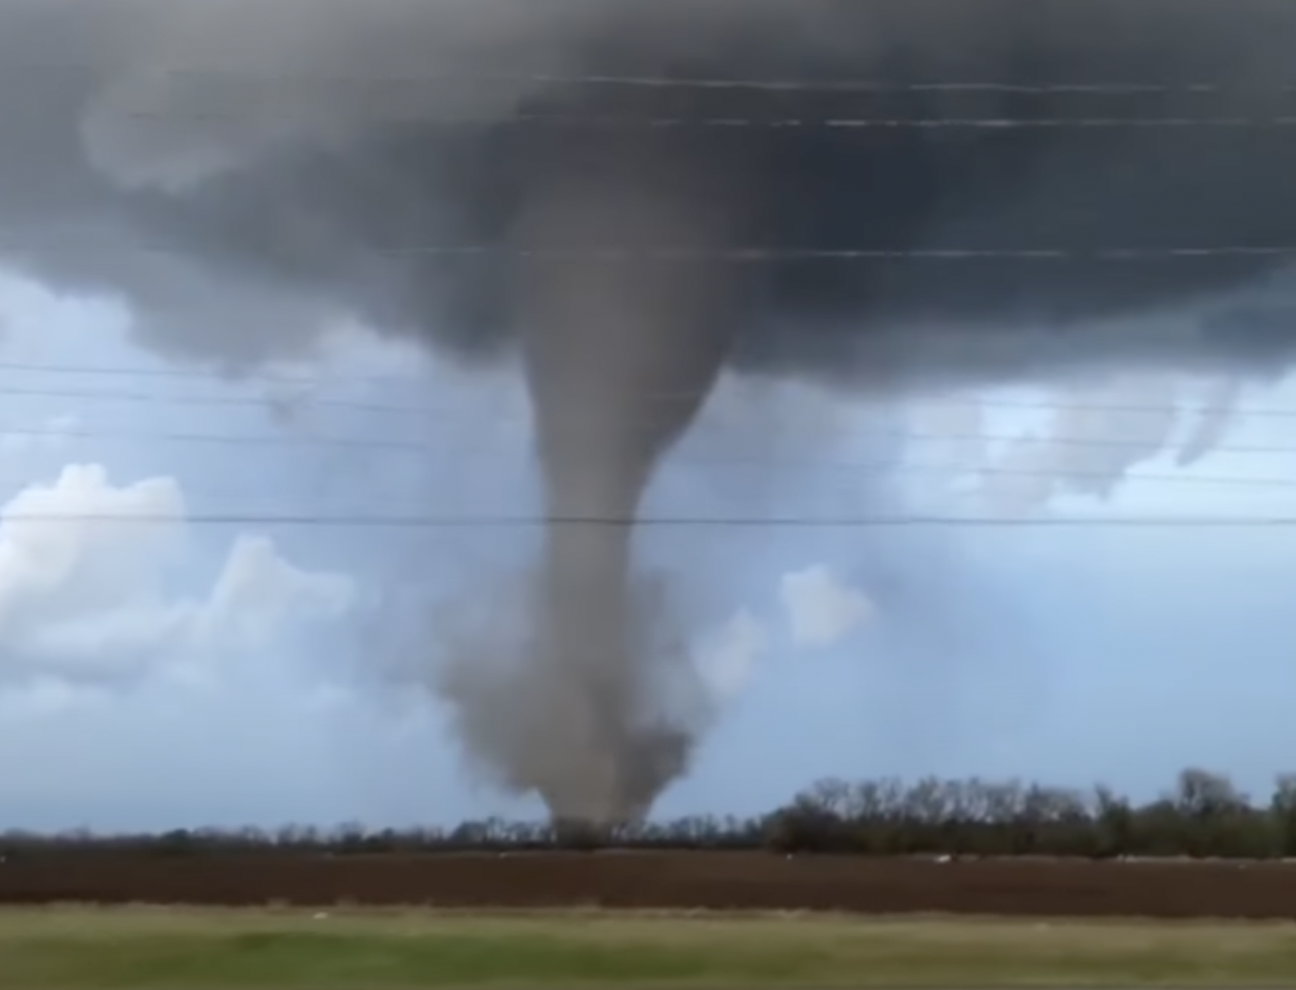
x: 1202, y: 815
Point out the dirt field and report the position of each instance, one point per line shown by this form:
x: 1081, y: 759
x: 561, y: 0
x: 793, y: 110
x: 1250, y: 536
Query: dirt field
x: 716, y: 881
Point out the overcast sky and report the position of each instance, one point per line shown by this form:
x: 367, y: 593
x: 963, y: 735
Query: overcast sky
x: 190, y: 671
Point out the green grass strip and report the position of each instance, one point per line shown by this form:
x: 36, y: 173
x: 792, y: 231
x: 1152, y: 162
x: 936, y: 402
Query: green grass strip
x: 87, y: 949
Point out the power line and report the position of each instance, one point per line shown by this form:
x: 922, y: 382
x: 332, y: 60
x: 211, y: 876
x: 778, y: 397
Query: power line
x: 141, y: 371
x: 754, y: 254
x: 1117, y: 88
x: 630, y: 121
x: 379, y: 521
x: 423, y: 448
x: 878, y: 468
x: 309, y: 401
x: 745, y: 255
x: 862, y: 86
x: 1060, y: 474
x: 429, y: 414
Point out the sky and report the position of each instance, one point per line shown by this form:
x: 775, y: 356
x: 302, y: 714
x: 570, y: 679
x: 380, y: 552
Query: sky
x: 205, y: 665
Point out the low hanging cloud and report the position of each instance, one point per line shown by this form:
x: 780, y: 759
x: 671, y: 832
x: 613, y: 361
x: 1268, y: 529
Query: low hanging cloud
x: 1095, y: 435
x: 821, y: 608
x: 1084, y: 437
x: 88, y: 585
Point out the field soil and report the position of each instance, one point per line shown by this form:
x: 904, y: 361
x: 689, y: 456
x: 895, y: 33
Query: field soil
x: 672, y: 881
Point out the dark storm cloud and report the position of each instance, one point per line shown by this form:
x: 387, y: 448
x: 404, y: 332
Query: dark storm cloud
x: 297, y: 147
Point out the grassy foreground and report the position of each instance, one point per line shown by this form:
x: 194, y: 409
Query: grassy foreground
x: 66, y: 948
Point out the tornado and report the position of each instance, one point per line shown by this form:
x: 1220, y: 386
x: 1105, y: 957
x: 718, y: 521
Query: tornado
x: 619, y: 359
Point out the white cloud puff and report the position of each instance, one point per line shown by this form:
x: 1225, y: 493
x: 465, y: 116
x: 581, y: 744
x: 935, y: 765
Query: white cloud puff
x: 728, y: 657
x: 821, y: 609
x: 88, y: 584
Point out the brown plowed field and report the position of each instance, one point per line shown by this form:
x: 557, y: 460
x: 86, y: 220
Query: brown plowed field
x: 717, y: 881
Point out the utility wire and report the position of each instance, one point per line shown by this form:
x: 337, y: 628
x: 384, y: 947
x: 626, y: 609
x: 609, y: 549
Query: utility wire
x: 310, y: 401
x: 618, y: 121
x: 888, y: 468
x: 745, y: 255
x: 437, y: 415
x: 1116, y: 88
x: 758, y: 255
x: 425, y: 449
x: 457, y: 522
x: 866, y: 86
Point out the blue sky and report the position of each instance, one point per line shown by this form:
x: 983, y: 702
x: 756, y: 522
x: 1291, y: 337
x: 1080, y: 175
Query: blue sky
x: 184, y: 673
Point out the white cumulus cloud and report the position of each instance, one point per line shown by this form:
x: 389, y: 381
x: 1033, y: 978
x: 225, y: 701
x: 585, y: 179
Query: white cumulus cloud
x: 822, y: 609
x: 91, y: 575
